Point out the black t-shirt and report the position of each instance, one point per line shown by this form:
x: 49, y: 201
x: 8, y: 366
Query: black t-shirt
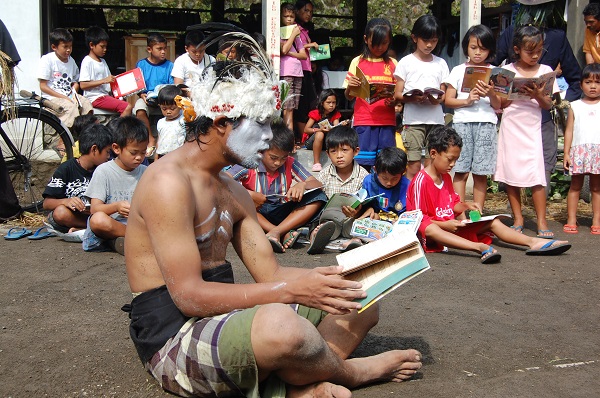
x: 69, y: 180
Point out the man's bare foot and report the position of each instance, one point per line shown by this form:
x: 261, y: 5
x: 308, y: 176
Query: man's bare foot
x: 318, y: 390
x: 396, y: 365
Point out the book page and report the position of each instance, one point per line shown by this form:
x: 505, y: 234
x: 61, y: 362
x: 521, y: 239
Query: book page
x: 371, y: 275
x: 361, y: 91
x: 503, y: 80
x: 487, y: 218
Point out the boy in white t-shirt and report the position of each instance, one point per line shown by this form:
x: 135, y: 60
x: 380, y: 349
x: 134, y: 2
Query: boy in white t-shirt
x: 193, y: 61
x: 171, y: 128
x: 95, y: 76
x: 59, y: 75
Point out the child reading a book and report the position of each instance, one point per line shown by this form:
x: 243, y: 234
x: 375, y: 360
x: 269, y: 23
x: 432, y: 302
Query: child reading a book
x: 193, y: 61
x: 282, y: 207
x: 387, y: 178
x: 320, y: 121
x: 375, y: 123
x: 431, y: 191
x: 582, y: 145
x: 112, y: 186
x: 343, y: 175
x: 521, y: 128
x: 419, y: 70
x: 290, y: 67
x: 474, y: 113
x: 64, y: 194
x: 95, y: 77
x: 171, y: 128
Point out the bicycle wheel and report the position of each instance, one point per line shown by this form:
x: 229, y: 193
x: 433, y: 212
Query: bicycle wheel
x: 31, y: 144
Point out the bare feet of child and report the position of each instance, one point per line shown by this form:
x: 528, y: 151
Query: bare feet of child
x: 324, y: 389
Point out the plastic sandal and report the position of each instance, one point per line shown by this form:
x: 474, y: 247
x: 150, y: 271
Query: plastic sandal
x: 570, y: 229
x: 317, y: 167
x: 595, y: 230
x: 488, y: 256
x: 17, y: 233
x: 41, y: 233
x: 545, y: 234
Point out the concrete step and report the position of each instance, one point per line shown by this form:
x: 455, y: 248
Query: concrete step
x: 305, y: 157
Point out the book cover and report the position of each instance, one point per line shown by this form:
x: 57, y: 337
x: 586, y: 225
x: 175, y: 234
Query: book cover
x: 286, y: 31
x: 325, y: 124
x: 333, y: 207
x: 318, y: 54
x: 128, y: 83
x: 473, y: 74
x: 409, y: 220
x: 371, y: 92
x: 384, y: 265
x: 370, y: 230
x: 517, y: 91
x: 502, y: 79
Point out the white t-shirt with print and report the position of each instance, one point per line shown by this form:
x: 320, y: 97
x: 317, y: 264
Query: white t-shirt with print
x: 92, y: 70
x: 60, y: 75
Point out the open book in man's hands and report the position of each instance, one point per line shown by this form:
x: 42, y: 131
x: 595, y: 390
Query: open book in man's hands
x: 382, y: 266
x: 371, y: 92
x: 333, y: 208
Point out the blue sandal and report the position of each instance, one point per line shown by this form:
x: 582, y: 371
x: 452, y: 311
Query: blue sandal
x: 489, y: 256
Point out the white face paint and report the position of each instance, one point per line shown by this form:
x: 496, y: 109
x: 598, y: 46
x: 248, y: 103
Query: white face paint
x: 248, y: 140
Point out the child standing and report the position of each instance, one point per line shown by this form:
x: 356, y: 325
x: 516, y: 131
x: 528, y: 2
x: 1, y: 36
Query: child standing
x: 281, y: 207
x: 64, y: 194
x: 324, y: 116
x: 520, y: 128
x: 431, y: 191
x: 474, y: 116
x: 419, y: 70
x: 156, y: 69
x: 582, y: 146
x: 375, y: 123
x: 171, y: 128
x: 193, y: 61
x: 95, y: 76
x: 388, y: 178
x: 112, y: 186
x: 59, y: 76
x: 292, y: 53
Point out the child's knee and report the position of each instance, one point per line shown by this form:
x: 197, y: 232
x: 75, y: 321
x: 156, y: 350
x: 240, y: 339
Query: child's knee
x: 100, y: 222
x: 62, y: 214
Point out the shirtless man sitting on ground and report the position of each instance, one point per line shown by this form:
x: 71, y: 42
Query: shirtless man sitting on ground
x: 198, y: 333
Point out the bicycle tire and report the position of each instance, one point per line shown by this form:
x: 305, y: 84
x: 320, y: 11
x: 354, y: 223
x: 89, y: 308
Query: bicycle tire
x: 32, y: 156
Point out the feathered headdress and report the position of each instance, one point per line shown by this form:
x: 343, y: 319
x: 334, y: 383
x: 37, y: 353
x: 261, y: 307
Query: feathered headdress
x: 247, y: 86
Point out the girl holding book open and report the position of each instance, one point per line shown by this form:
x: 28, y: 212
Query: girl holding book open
x: 520, y: 162
x: 470, y: 93
x: 374, y: 121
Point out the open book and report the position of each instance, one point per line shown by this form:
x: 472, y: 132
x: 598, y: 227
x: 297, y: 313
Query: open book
x: 317, y: 54
x: 382, y: 266
x: 436, y: 92
x: 371, y: 92
x: 128, y: 83
x: 486, y: 218
x: 473, y: 74
x: 502, y: 79
x: 333, y: 207
x: 519, y: 83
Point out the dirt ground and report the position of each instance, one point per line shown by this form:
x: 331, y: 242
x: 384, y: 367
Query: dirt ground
x: 527, y: 327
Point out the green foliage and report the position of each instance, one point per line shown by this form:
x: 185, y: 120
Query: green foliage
x: 455, y: 7
x: 401, y: 13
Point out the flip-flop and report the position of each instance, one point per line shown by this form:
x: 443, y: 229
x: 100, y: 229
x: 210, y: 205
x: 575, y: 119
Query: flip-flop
x: 275, y: 244
x: 570, y: 229
x: 321, y: 238
x: 518, y: 228
x: 545, y: 234
x: 16, y: 233
x: 595, y: 230
x: 489, y: 257
x: 549, y: 250
x: 293, y: 236
x: 353, y: 244
x: 41, y: 233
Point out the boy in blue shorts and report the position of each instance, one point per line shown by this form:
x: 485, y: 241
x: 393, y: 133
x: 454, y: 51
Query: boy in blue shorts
x: 64, y: 194
x: 156, y: 69
x: 388, y: 178
x: 281, y: 207
x: 112, y: 186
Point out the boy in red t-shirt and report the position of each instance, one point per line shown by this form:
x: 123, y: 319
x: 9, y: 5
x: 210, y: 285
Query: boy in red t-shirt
x: 432, y: 192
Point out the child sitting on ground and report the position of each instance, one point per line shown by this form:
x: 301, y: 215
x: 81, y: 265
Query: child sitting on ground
x: 59, y: 76
x: 112, y: 186
x: 95, y: 76
x: 388, y: 178
x: 281, y: 207
x: 157, y: 70
x: 319, y: 122
x: 171, y: 128
x: 432, y: 192
x: 342, y: 175
x: 80, y: 123
x: 193, y: 61
x: 64, y: 194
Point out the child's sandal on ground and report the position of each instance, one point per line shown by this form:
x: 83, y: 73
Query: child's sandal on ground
x: 275, y: 244
x: 570, y: 229
x: 317, y: 167
x: 518, y: 228
x: 595, y: 230
x: 490, y: 256
x: 320, y: 237
x: 545, y: 234
x: 290, y: 238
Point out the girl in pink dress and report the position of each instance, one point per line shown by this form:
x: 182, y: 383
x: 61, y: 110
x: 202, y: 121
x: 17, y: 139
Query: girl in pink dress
x: 520, y: 161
